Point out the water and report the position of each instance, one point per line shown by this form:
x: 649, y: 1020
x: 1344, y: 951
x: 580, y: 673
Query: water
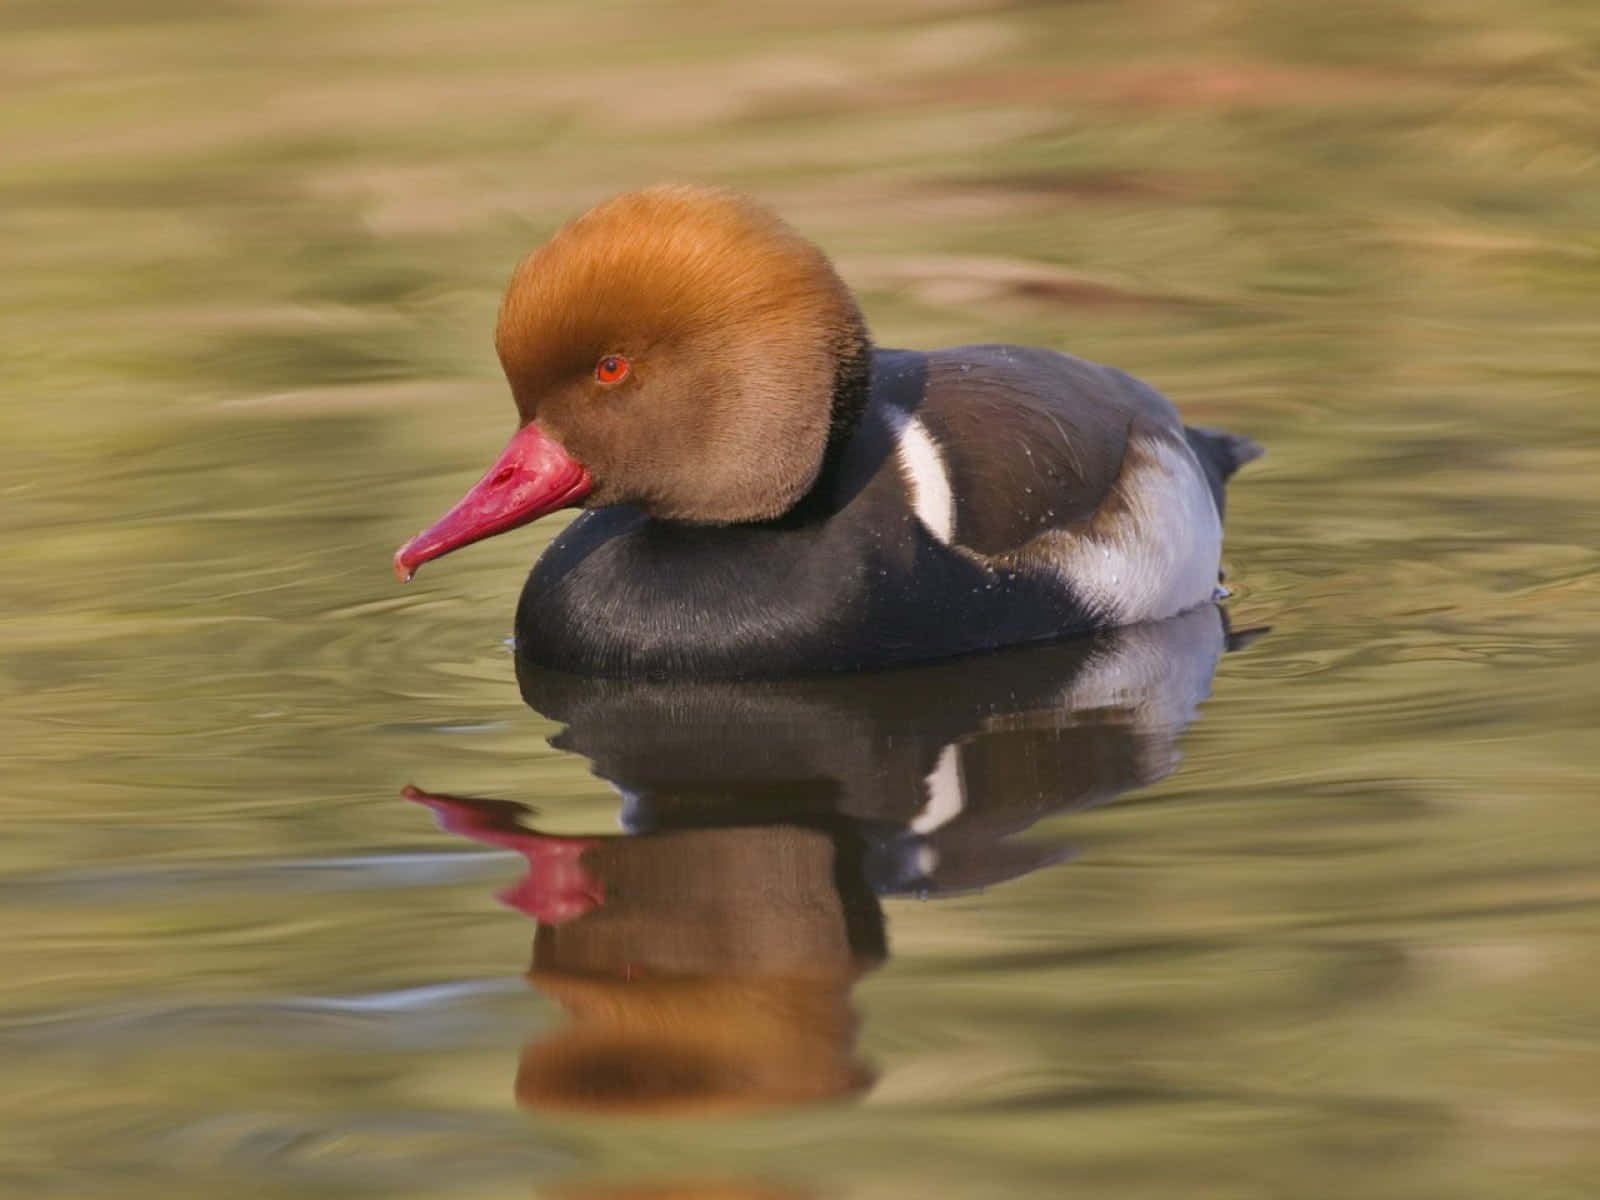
x: 1044, y: 924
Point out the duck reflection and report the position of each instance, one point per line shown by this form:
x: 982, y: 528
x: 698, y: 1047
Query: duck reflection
x: 706, y: 955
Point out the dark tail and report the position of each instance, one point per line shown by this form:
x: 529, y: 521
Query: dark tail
x: 1220, y: 455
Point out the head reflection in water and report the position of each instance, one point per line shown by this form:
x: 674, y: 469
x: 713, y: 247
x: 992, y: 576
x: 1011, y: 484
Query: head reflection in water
x: 702, y: 968
x: 706, y: 956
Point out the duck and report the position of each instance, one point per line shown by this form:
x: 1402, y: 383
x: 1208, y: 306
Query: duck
x: 766, y: 493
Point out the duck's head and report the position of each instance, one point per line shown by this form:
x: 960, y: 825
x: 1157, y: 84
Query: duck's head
x: 679, y: 349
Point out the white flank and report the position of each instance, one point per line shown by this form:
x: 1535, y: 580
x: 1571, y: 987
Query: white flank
x: 946, y: 797
x: 1161, y: 556
x: 925, y: 476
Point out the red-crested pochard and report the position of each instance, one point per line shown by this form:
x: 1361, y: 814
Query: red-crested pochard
x: 770, y: 494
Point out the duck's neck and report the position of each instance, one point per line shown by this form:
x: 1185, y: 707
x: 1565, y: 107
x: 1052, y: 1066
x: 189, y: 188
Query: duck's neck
x: 852, y: 386
x: 852, y: 382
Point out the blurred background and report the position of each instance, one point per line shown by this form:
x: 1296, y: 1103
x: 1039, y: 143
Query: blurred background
x: 250, y: 255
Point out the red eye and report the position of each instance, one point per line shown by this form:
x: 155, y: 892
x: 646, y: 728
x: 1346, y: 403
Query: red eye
x: 613, y: 368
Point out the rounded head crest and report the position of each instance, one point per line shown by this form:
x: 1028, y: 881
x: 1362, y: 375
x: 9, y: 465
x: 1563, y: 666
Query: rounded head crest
x: 685, y: 345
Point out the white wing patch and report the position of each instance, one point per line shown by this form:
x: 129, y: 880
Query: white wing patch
x: 1159, y: 555
x: 922, y: 465
x: 946, y: 796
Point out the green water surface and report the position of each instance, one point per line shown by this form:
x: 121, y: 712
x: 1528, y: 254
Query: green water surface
x: 250, y: 253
